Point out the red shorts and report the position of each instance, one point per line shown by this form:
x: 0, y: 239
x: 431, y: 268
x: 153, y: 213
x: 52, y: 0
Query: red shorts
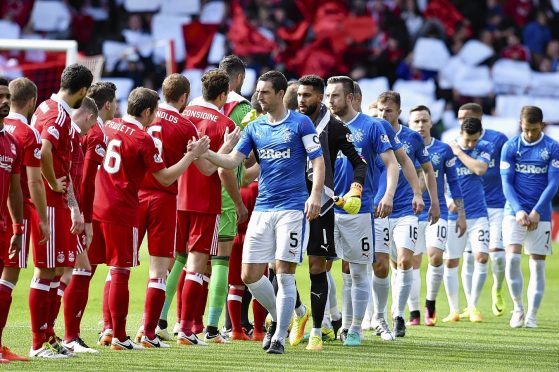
x: 157, y: 216
x: 60, y: 249
x: 115, y: 245
x: 30, y: 224
x: 235, y: 260
x: 197, y: 232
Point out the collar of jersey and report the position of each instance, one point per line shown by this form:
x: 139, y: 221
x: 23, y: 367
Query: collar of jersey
x: 20, y: 117
x: 399, y: 129
x: 353, y: 118
x: 61, y: 102
x: 207, y: 104
x: 100, y: 121
x: 533, y: 143
x: 130, y: 119
x: 76, y: 127
x: 431, y: 144
x: 278, y: 122
x: 166, y: 106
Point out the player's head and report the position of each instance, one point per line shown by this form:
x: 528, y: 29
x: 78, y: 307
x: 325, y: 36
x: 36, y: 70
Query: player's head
x: 215, y: 87
x: 270, y: 90
x: 235, y: 69
x: 373, y: 109
x: 357, y: 97
x: 388, y: 106
x: 104, y: 95
x: 75, y: 81
x: 24, y: 96
x: 469, y: 110
x: 142, y: 105
x: 310, y: 94
x: 531, y: 123
x: 420, y: 120
x: 4, y: 98
x: 470, y: 133
x: 86, y: 116
x: 290, y: 97
x: 176, y: 89
x: 339, y: 95
x: 254, y: 103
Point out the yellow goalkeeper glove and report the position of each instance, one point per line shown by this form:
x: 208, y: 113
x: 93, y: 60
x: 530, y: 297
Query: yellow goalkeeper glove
x: 350, y: 202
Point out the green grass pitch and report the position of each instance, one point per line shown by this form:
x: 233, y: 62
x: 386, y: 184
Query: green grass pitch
x: 490, y: 346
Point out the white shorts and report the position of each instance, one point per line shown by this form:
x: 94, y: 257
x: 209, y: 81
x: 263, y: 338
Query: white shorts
x: 404, y: 232
x: 353, y: 237
x: 535, y: 242
x: 477, y: 236
x: 276, y: 235
x: 431, y: 236
x: 496, y: 227
x: 383, y: 236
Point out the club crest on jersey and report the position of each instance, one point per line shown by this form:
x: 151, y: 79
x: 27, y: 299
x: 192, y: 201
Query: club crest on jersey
x: 358, y: 135
x: 13, y: 148
x: 60, y: 257
x: 71, y: 256
x: 99, y: 150
x: 157, y: 158
x: 407, y: 147
x: 37, y: 154
x: 286, y: 136
x: 53, y: 132
x: 435, y: 159
x: 384, y: 138
x: 544, y: 153
x: 451, y: 162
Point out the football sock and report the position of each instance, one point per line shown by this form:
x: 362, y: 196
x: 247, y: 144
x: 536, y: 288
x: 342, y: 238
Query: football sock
x: 381, y: 287
x: 285, y: 304
x: 56, y: 292
x: 259, y: 313
x: 413, y: 300
x: 263, y: 291
x: 498, y: 268
x: 74, y: 302
x: 369, y: 314
x: 333, y: 298
x: 347, y: 306
x: 478, y: 280
x: 119, y: 297
x: 5, y: 302
x: 192, y: 295
x: 299, y: 307
x: 450, y: 278
x: 155, y: 297
x: 394, y: 289
x: 433, y: 279
x: 247, y: 298
x: 218, y: 289
x: 467, y: 273
x: 172, y: 283
x: 536, y: 286
x: 39, y: 302
x: 198, y: 325
x: 234, y: 305
x: 359, y: 294
x: 274, y: 280
x: 319, y: 295
x: 180, y: 287
x: 107, y: 319
x: 404, y: 282
x: 515, y: 281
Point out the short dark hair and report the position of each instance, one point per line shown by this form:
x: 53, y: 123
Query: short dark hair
x: 88, y: 104
x: 254, y: 103
x: 214, y: 83
x: 232, y: 65
x: 357, y: 89
x: 314, y: 81
x: 421, y: 108
x: 531, y: 114
x: 278, y: 80
x: 174, y: 86
x: 390, y: 95
x: 290, y: 97
x: 102, y: 92
x: 140, y: 99
x: 346, y: 82
x: 4, y: 81
x: 471, y: 126
x: 473, y: 107
x: 75, y: 77
x: 22, y: 90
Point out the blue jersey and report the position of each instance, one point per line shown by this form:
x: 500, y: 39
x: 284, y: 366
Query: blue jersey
x: 532, y: 169
x: 281, y: 149
x: 369, y: 139
x: 472, y: 184
x: 492, y: 184
x: 444, y: 164
x: 415, y: 149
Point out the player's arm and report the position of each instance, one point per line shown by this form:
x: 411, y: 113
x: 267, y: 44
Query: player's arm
x: 312, y: 205
x: 38, y: 196
x: 411, y: 176
x: 75, y: 213
x: 87, y: 191
x: 208, y: 168
x: 507, y: 166
x: 478, y: 167
x: 250, y: 174
x: 431, y: 181
x: 348, y: 149
x: 229, y: 181
x: 456, y: 194
x: 47, y: 168
x: 547, y: 194
x: 15, y: 206
x: 384, y: 207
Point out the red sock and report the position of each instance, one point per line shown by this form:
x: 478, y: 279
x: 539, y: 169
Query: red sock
x: 39, y: 303
x: 73, y: 303
x: 155, y: 298
x: 198, y: 325
x: 191, y: 296
x: 5, y: 302
x: 259, y: 313
x: 180, y: 286
x: 107, y: 321
x: 56, y: 292
x: 85, y: 297
x: 119, y: 297
x: 234, y: 305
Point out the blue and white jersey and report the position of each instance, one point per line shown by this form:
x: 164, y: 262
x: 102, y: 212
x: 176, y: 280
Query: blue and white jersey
x: 369, y: 139
x: 532, y: 168
x: 492, y: 184
x: 444, y: 164
x: 415, y: 149
x: 281, y: 149
x: 471, y: 184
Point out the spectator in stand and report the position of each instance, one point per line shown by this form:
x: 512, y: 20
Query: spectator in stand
x: 515, y: 50
x: 536, y: 35
x: 553, y: 54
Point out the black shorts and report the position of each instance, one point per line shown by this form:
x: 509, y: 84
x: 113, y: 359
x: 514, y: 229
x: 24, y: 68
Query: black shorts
x: 321, y: 236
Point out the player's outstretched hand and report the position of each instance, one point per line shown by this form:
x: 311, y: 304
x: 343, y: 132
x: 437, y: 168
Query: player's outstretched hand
x: 418, y: 204
x: 452, y: 207
x: 198, y: 147
x: 60, y: 185
x: 434, y: 213
x: 88, y: 228
x: 312, y: 206
x: 384, y: 207
x: 534, y: 219
x: 522, y: 218
x: 45, y: 231
x: 455, y: 148
x: 77, y: 221
x: 231, y: 139
x: 15, y: 246
x: 461, y: 225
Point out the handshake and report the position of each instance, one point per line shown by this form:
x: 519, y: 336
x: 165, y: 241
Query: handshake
x: 350, y: 202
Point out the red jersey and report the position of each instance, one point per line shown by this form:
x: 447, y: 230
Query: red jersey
x: 94, y: 146
x: 52, y: 120
x: 171, y: 133
x: 29, y: 141
x: 131, y: 152
x: 10, y: 163
x: 199, y: 193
